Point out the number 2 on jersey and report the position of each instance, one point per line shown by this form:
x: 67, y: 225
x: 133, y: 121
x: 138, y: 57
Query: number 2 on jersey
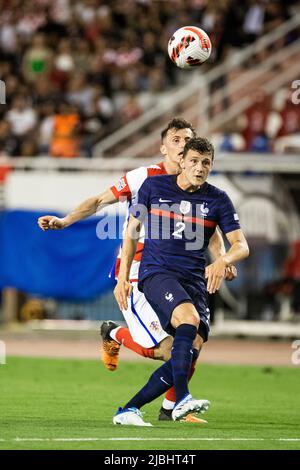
x: 180, y: 226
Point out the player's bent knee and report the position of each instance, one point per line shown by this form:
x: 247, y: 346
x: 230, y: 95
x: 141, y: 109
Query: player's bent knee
x: 193, y: 320
x: 185, y: 316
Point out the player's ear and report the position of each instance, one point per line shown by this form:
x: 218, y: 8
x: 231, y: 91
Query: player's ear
x: 182, y: 164
x: 163, y: 149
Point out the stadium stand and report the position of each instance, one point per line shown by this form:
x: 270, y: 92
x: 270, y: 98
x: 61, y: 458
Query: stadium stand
x: 107, y: 61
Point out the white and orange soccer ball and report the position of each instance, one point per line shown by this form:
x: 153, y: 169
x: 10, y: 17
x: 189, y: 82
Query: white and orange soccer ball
x: 189, y: 46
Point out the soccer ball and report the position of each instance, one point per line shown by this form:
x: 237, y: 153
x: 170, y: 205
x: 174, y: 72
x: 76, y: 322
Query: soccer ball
x: 189, y: 46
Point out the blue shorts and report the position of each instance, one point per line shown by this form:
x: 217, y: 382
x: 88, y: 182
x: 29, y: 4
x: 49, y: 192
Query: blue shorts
x: 165, y: 292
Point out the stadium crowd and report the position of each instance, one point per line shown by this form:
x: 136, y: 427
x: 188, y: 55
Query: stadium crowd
x: 77, y: 70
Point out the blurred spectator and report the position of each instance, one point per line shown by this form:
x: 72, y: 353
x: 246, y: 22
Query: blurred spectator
x: 254, y: 20
x: 28, y: 148
x: 8, y: 145
x: 290, y: 118
x: 65, y: 140
x: 229, y: 141
x: 64, y: 60
x: 260, y: 143
x: 82, y: 58
x: 21, y: 117
x: 131, y: 109
x: 80, y: 93
x: 255, y: 118
x: 31, y: 16
x: 8, y: 36
x: 44, y: 92
x: 12, y: 86
x: 103, y: 108
x: 37, y: 62
x: 46, y: 128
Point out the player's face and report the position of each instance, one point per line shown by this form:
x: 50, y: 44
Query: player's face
x: 174, y: 142
x: 196, y: 167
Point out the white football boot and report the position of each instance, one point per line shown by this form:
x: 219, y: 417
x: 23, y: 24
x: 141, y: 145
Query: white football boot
x: 130, y: 417
x: 187, y: 405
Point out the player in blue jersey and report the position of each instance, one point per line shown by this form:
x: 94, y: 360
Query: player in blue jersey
x: 145, y: 335
x: 180, y: 213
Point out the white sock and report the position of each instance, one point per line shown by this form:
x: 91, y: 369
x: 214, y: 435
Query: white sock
x: 113, y: 332
x: 168, y: 405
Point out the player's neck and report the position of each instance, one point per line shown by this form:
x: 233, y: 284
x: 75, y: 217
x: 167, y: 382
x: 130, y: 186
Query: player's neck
x: 185, y: 185
x: 172, y: 168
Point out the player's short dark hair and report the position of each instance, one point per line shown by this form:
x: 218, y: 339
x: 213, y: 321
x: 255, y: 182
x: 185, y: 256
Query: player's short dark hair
x: 201, y: 145
x: 177, y: 123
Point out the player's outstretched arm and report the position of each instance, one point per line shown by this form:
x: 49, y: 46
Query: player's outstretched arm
x: 216, y: 249
x: 88, y: 207
x: 123, y: 288
x: 239, y: 250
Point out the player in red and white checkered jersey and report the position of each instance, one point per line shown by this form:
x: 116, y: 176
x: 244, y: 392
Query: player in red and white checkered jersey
x: 144, y: 334
x: 126, y: 189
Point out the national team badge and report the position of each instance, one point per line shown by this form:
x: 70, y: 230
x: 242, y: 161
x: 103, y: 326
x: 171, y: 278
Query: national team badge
x: 185, y: 207
x: 204, y: 210
x: 121, y: 184
x: 154, y: 325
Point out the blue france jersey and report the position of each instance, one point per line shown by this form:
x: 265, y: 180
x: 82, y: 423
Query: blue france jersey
x: 179, y: 224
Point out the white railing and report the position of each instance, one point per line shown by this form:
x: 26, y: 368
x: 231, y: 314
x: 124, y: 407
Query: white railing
x: 169, y: 101
x: 270, y: 86
x: 224, y: 162
x: 276, y: 59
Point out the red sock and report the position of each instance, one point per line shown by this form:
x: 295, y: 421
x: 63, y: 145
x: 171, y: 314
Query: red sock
x: 170, y: 394
x: 124, y: 337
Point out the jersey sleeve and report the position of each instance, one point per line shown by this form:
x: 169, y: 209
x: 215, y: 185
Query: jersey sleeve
x: 121, y: 188
x: 141, y: 206
x: 228, y: 217
x: 128, y: 186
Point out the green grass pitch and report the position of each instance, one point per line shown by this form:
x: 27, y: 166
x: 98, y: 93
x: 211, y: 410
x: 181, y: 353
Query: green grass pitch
x: 53, y: 400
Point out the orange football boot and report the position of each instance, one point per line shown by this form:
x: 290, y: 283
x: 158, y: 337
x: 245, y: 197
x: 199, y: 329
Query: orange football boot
x: 110, y: 348
x: 190, y: 418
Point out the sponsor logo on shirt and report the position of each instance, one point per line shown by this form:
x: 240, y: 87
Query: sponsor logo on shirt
x: 235, y: 216
x: 164, y: 200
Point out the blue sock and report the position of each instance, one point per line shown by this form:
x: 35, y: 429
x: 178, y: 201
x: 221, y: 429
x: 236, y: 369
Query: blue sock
x: 163, y: 378
x: 160, y: 381
x: 181, y: 358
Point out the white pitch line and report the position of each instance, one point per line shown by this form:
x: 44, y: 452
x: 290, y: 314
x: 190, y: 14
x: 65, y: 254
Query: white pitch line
x: 95, y: 439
